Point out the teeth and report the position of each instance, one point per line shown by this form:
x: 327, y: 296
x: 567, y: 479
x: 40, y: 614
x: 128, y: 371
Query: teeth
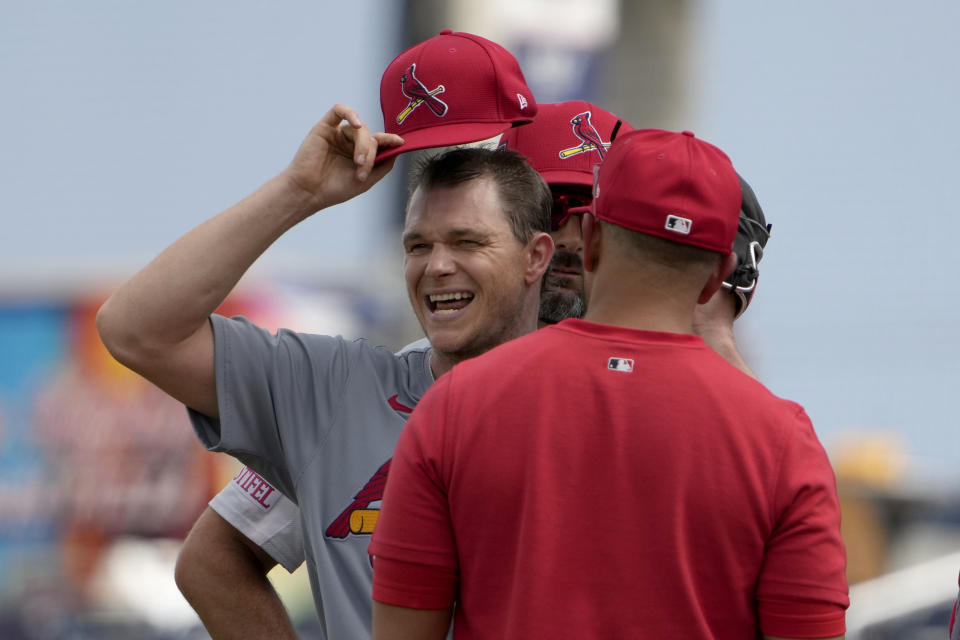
x: 444, y: 297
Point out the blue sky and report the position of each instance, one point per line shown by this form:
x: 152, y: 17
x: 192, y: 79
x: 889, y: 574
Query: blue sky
x: 843, y: 117
x: 124, y: 124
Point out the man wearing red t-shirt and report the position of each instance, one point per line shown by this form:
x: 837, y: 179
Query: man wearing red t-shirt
x: 613, y: 476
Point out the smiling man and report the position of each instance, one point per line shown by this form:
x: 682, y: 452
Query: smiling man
x: 318, y: 416
x: 469, y: 213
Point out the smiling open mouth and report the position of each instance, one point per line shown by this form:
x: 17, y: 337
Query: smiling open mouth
x: 449, y: 302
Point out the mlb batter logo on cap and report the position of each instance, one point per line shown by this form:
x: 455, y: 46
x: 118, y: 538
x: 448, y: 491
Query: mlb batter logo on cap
x: 678, y: 224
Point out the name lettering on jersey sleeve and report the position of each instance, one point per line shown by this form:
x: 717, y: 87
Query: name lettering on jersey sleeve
x: 258, y: 489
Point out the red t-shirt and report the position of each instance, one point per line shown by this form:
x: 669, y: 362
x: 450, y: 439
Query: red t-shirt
x: 595, y: 481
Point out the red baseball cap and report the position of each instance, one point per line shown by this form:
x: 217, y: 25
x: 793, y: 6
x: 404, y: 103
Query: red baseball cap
x: 671, y: 185
x: 562, y: 141
x: 452, y: 89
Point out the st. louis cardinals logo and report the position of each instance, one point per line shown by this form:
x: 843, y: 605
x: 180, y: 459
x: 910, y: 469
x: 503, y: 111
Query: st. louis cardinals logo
x: 417, y: 93
x: 358, y: 518
x: 589, y: 138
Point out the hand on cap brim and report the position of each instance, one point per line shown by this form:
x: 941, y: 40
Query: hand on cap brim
x: 336, y: 160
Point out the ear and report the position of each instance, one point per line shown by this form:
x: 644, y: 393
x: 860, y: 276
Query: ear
x: 540, y: 251
x: 724, y: 267
x: 591, y: 241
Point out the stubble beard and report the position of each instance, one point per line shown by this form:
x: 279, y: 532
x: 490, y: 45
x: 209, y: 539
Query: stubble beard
x: 504, y: 325
x: 557, y: 302
x: 560, y: 305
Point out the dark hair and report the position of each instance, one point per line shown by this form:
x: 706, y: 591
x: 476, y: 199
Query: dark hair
x: 523, y: 193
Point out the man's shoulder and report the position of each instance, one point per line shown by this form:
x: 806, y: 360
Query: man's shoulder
x: 356, y: 358
x: 241, y: 328
x: 417, y: 346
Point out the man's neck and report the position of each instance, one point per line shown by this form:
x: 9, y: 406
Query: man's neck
x: 440, y: 363
x: 642, y: 319
x: 644, y: 308
x: 645, y: 296
x: 443, y: 361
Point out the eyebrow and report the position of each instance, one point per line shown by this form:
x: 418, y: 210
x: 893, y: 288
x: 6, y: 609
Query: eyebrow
x: 452, y: 234
x: 409, y: 237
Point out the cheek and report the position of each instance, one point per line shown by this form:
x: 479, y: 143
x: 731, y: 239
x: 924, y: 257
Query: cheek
x: 513, y: 275
x: 411, y: 274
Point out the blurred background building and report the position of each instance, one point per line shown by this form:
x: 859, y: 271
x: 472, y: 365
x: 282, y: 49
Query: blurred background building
x: 122, y: 125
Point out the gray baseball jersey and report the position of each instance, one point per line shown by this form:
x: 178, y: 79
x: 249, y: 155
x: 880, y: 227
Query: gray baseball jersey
x: 318, y: 417
x: 264, y: 515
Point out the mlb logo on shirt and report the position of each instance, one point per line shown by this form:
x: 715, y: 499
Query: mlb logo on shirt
x: 678, y: 224
x: 620, y: 364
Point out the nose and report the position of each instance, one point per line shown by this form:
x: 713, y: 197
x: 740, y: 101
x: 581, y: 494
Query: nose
x: 440, y: 262
x: 568, y: 237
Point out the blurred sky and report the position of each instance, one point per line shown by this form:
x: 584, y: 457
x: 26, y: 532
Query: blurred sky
x: 842, y: 115
x: 124, y: 124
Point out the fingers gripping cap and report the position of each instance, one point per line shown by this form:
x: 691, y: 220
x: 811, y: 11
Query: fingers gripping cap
x: 753, y: 231
x: 566, y: 140
x: 452, y: 89
x: 670, y: 185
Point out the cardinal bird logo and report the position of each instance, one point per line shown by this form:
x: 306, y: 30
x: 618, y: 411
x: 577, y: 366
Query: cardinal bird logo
x: 358, y: 518
x: 417, y: 93
x: 589, y: 138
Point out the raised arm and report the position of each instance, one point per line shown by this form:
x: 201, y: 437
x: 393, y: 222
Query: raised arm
x: 157, y: 323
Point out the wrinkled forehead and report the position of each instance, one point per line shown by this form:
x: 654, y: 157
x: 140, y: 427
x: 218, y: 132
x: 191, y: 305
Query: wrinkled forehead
x: 474, y: 204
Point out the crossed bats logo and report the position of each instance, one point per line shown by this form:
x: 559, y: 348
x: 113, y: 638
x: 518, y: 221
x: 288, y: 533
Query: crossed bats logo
x: 417, y: 93
x: 590, y: 139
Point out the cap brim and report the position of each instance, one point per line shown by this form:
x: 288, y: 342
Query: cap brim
x: 558, y: 177
x: 444, y: 136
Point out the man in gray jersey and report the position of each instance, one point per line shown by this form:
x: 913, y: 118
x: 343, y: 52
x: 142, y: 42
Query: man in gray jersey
x: 317, y: 416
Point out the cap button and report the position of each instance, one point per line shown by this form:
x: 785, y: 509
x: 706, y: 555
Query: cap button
x: 446, y: 32
x: 688, y: 133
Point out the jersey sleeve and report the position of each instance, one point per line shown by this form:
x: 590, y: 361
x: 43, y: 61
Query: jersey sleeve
x: 270, y: 388
x: 414, y: 535
x: 264, y: 515
x: 802, y: 588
